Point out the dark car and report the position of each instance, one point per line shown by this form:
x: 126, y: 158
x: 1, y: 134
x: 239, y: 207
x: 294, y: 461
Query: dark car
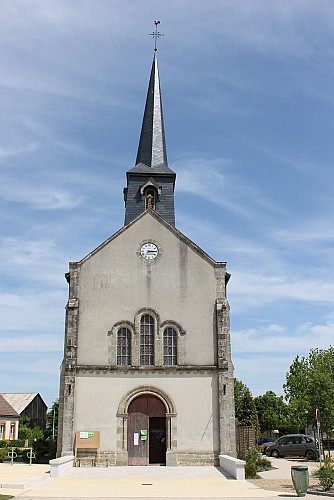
x: 265, y: 443
x: 265, y: 439
x: 293, y: 445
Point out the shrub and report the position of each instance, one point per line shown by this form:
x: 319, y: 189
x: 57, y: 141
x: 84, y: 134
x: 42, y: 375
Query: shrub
x: 250, y: 470
x: 5, y: 443
x: 252, y: 456
x: 263, y: 463
x: 325, y: 473
x: 44, y: 449
x: 3, y: 453
x: 255, y: 463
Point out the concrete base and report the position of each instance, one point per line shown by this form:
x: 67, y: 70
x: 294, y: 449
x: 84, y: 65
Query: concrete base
x: 121, y: 458
x: 60, y: 465
x: 171, y: 458
x: 233, y: 466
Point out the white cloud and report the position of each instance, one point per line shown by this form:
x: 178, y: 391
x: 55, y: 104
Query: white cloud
x: 33, y: 260
x: 256, y: 289
x: 262, y: 356
x: 262, y: 373
x: 7, y: 152
x: 42, y: 311
x: 42, y: 197
x: 214, y: 181
x: 314, y: 232
x: 31, y: 343
x: 274, y: 338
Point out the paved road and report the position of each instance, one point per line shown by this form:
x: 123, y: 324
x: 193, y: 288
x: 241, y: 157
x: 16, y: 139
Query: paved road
x: 138, y: 483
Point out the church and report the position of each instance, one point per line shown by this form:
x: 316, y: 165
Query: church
x: 147, y: 353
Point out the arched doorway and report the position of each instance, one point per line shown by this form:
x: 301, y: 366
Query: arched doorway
x: 146, y: 431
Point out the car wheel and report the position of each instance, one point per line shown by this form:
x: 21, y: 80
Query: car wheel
x: 310, y: 455
x: 274, y: 453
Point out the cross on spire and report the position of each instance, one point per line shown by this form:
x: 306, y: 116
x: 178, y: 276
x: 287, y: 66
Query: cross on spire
x: 156, y: 34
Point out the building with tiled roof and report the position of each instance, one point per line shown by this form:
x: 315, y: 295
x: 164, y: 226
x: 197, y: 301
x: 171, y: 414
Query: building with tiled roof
x: 28, y: 404
x: 9, y: 420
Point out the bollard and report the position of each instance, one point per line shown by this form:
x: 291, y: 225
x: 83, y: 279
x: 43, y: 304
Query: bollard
x: 12, y: 454
x: 31, y: 455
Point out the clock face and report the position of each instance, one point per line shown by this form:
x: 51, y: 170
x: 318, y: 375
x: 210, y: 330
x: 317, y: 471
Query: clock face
x: 149, y: 251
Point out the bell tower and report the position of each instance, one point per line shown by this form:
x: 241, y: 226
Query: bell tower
x: 150, y: 183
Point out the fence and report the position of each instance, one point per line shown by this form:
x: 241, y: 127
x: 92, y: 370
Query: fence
x: 246, y: 437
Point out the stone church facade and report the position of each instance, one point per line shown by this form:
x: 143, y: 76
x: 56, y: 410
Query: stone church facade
x: 147, y: 355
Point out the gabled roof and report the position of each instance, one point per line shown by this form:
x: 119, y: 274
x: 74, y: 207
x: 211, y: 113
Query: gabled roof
x: 20, y: 400
x: 6, y: 410
x: 168, y: 226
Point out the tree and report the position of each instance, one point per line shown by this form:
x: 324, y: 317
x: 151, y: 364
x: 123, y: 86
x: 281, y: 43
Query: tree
x: 273, y: 413
x: 28, y: 432
x: 248, y: 413
x: 239, y: 391
x: 310, y: 385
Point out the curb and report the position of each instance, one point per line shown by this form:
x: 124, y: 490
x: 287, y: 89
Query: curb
x: 320, y: 493
x: 26, y: 484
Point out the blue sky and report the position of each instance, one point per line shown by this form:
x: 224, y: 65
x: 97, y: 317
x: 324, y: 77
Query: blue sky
x: 247, y: 90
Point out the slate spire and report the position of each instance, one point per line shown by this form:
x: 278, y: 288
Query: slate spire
x: 151, y: 175
x: 152, y: 144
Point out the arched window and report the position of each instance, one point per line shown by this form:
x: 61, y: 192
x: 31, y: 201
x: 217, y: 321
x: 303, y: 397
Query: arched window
x: 170, y: 346
x: 124, y: 346
x: 146, y: 340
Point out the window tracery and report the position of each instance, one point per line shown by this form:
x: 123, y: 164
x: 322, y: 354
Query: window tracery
x: 170, y: 346
x: 123, y: 347
x: 147, y: 340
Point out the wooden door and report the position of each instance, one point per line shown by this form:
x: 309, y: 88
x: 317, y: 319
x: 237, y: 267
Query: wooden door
x: 141, y: 410
x: 137, y: 448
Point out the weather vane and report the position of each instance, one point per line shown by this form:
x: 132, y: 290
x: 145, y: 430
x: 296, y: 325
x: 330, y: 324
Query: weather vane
x: 156, y: 34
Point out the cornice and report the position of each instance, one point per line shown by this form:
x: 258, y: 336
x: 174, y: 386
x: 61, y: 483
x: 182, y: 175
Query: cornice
x: 146, y: 369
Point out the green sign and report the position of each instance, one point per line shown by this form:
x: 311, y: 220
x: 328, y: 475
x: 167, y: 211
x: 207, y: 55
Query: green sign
x: 143, y: 435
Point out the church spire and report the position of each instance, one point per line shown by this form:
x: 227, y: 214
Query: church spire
x: 150, y: 183
x: 152, y: 144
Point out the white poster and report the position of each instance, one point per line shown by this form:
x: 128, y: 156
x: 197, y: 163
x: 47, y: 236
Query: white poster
x: 84, y: 435
x: 136, y: 438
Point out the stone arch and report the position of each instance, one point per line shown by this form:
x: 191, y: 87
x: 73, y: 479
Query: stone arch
x: 146, y: 389
x: 151, y: 312
x: 122, y: 422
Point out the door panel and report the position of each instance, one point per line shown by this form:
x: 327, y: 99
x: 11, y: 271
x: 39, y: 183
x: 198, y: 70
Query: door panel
x: 137, y: 450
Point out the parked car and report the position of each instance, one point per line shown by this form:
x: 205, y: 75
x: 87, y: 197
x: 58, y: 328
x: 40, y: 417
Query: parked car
x: 265, y: 443
x: 293, y: 445
x: 265, y: 439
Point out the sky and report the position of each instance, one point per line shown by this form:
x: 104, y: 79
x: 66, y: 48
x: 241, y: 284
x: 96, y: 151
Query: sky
x: 247, y: 91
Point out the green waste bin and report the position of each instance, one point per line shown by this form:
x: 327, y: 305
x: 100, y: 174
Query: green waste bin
x: 300, y: 478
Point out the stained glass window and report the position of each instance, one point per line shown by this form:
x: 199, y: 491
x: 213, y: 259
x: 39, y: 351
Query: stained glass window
x: 170, y: 346
x: 146, y: 340
x: 124, y: 346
